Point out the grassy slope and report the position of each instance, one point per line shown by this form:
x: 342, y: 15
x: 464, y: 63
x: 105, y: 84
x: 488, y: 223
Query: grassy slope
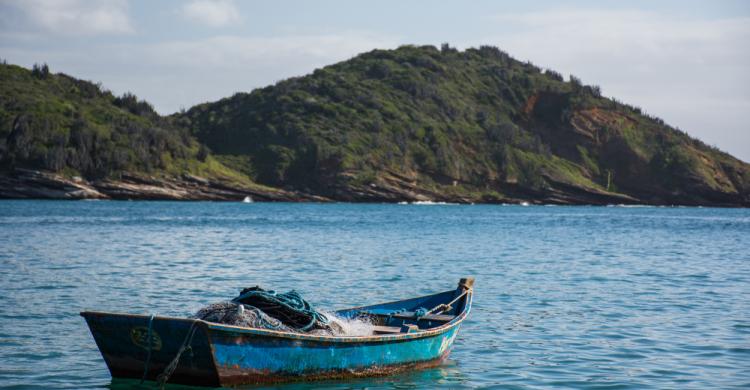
x: 58, y: 123
x: 475, y: 123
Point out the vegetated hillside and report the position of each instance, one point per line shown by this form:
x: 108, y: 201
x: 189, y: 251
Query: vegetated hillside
x: 61, y: 137
x: 421, y: 123
x: 58, y: 123
x: 411, y: 124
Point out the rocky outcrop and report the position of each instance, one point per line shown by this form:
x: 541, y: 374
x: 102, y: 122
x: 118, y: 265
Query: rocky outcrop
x: 25, y: 183
x: 392, y: 187
x: 388, y: 188
x: 33, y: 184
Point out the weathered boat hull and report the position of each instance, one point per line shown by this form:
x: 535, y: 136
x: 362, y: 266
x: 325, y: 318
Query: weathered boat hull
x: 122, y: 340
x: 221, y: 355
x: 242, y: 358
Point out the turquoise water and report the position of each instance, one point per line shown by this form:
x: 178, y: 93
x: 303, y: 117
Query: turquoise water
x: 583, y: 297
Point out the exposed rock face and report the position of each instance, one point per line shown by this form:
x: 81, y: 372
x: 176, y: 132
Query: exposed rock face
x: 392, y: 187
x: 25, y: 183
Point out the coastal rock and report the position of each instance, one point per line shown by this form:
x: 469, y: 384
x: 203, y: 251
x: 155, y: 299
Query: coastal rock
x: 26, y: 183
x: 34, y: 184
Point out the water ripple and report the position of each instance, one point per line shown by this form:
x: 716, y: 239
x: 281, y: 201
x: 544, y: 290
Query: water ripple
x: 575, y: 297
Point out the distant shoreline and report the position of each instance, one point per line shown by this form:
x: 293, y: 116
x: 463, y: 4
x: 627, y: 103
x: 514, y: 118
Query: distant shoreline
x: 41, y: 185
x: 335, y: 202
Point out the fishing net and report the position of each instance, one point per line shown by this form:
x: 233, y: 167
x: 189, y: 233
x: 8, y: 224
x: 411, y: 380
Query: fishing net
x: 289, y: 312
x: 289, y: 308
x: 237, y: 314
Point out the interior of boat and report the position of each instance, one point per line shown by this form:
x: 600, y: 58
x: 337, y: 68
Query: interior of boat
x: 411, y: 315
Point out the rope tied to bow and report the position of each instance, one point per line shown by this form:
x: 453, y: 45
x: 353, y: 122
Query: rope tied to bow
x: 162, y: 378
x: 150, y: 347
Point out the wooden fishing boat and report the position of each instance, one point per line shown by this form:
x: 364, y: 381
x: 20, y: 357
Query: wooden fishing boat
x: 196, y: 352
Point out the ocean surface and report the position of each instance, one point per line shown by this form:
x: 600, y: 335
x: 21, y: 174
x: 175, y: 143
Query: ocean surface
x: 574, y: 297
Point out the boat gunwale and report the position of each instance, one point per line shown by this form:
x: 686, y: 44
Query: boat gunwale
x: 324, y: 338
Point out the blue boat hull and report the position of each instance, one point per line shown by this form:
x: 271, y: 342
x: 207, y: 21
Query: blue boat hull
x: 223, y: 355
x: 251, y: 359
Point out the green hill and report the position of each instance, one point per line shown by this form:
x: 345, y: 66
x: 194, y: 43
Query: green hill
x: 61, y: 137
x: 411, y: 124
x: 61, y: 124
x: 421, y: 123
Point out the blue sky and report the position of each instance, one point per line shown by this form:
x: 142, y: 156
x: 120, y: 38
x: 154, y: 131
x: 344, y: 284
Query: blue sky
x: 685, y: 61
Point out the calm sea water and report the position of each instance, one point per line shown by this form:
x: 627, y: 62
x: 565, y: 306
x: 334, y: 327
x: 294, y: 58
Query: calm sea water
x: 582, y: 297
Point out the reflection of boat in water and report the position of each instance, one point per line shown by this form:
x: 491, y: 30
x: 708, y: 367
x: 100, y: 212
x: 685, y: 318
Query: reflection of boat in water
x: 407, y: 335
x: 247, y: 200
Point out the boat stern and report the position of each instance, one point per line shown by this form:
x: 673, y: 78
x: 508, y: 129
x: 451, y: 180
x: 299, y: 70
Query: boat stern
x: 137, y: 346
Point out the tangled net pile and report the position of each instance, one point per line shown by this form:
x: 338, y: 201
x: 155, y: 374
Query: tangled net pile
x: 267, y: 309
x: 237, y: 314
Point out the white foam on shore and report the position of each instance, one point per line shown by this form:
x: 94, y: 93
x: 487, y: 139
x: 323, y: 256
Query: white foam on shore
x: 431, y: 203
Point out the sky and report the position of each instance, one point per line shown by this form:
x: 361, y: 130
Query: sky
x: 687, y: 62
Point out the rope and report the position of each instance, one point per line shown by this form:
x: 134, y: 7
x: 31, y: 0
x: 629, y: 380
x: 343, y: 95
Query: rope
x: 162, y: 378
x: 289, y: 308
x: 148, y: 354
x: 446, y: 306
x: 443, y: 307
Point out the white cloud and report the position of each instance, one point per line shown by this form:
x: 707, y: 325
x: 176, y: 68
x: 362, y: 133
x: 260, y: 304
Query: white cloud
x: 238, y: 52
x: 229, y: 64
x: 175, y: 74
x: 212, y: 13
x: 76, y: 17
x: 692, y: 73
